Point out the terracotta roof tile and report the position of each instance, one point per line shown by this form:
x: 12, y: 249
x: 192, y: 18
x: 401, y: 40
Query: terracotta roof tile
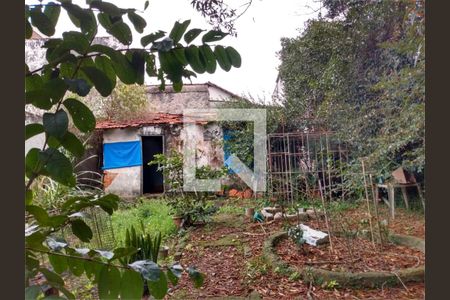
x: 150, y: 119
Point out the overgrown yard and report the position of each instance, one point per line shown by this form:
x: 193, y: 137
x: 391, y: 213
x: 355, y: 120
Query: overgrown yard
x: 230, y: 251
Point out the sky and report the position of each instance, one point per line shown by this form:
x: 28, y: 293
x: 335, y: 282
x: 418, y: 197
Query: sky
x: 259, y: 32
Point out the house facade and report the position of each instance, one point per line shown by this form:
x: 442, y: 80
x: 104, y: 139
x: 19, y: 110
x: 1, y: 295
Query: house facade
x: 129, y: 145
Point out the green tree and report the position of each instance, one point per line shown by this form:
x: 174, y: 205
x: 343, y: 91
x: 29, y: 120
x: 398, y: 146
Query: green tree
x: 360, y: 69
x: 75, y: 64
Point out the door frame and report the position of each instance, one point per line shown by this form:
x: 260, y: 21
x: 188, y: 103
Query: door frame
x: 142, y: 166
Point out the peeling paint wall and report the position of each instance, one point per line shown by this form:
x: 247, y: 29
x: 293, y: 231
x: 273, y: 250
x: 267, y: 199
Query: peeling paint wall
x: 127, y: 182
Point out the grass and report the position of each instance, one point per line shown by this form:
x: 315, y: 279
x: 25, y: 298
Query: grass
x: 155, y: 214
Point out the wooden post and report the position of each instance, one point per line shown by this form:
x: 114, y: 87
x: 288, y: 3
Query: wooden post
x: 326, y: 217
x: 391, y: 196
x: 368, y: 204
x: 375, y: 204
x: 419, y: 190
x: 405, y: 197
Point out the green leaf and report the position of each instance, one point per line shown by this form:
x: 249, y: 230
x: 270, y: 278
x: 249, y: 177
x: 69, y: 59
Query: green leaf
x: 58, y: 262
x: 33, y: 163
x: 70, y: 142
x: 56, y: 221
x: 196, y: 277
x: 123, y: 252
x: 137, y: 21
x: 234, y: 56
x: 107, y: 7
x: 41, y: 21
x: 192, y: 34
x: 33, y: 129
x: 174, y: 273
x: 101, y: 82
x: 138, y: 62
x: 108, y: 203
x: 81, y: 18
x: 193, y: 57
x: 121, y: 31
x: 158, y: 289
x: 82, y: 116
x: 104, y: 64
x: 32, y: 292
x: 109, y: 282
x: 81, y: 230
x: 56, y: 124
x: 58, y: 166
x: 28, y: 197
x: 150, y: 67
x: 213, y: 36
x: 76, y: 41
x: 56, y: 89
x: 28, y: 30
x: 150, y: 38
x: 170, y: 65
x: 79, y: 86
x: 39, y: 98
x: 52, y: 11
x: 180, y: 55
x: 178, y: 30
x: 91, y: 268
x: 33, y: 82
x: 76, y: 265
x: 123, y: 67
x: 132, y: 285
x: 222, y: 58
x: 208, y: 57
x: 52, y: 277
x: 39, y: 214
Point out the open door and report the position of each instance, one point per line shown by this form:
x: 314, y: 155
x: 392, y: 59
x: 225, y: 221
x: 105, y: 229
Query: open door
x: 153, y: 181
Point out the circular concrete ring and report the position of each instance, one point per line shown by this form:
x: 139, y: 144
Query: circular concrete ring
x: 350, y: 279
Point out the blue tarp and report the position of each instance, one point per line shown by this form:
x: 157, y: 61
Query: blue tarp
x: 122, y: 154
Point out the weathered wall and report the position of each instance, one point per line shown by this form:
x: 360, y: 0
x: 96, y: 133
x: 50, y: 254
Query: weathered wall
x: 192, y: 96
x: 127, y: 182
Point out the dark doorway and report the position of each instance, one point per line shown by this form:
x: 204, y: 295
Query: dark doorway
x: 153, y: 182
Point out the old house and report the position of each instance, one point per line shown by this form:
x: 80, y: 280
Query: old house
x: 129, y: 145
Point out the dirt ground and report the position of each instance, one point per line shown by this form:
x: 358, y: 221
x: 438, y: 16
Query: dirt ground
x: 229, y: 251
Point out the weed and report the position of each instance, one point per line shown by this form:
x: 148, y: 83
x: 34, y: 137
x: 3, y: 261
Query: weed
x: 256, y: 267
x: 294, y: 276
x: 155, y: 215
x: 230, y: 209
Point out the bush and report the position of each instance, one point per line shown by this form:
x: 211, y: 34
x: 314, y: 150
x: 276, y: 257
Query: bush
x: 155, y: 214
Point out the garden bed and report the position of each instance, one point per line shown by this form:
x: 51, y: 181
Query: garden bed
x: 352, y: 264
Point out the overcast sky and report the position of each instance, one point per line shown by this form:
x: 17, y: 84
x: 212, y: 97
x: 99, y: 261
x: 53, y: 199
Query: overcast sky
x: 259, y: 32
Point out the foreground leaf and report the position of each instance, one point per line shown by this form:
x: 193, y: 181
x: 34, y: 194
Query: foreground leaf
x: 132, y: 285
x: 81, y: 230
x: 82, y: 116
x: 109, y: 282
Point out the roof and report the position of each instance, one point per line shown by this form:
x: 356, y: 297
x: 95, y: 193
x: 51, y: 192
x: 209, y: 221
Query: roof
x: 150, y: 119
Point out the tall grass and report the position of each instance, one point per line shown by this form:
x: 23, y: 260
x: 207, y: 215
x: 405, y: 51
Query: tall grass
x: 155, y: 215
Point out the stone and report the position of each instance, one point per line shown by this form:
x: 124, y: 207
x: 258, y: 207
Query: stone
x: 267, y: 216
x: 313, y: 237
x: 272, y: 210
x: 278, y: 216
